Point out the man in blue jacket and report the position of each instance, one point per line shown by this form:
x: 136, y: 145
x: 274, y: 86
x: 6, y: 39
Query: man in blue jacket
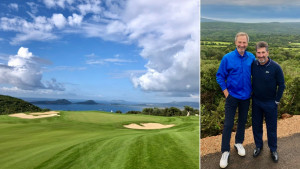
x: 268, y: 86
x: 234, y: 78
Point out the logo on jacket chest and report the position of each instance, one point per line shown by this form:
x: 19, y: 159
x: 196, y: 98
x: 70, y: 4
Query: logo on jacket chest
x: 267, y: 71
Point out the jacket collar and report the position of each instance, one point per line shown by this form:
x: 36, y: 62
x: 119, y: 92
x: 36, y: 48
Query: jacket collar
x: 267, y: 64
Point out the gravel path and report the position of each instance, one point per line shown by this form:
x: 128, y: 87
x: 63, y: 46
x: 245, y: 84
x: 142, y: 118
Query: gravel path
x: 286, y: 127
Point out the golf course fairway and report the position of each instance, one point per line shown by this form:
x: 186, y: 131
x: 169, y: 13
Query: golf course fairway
x: 98, y: 140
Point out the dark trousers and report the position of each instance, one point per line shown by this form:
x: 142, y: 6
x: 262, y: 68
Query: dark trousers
x: 268, y: 110
x: 230, y: 109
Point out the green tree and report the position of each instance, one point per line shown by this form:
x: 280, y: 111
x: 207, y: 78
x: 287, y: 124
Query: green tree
x: 119, y: 111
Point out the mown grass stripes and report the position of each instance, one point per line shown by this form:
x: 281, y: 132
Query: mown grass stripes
x: 96, y: 140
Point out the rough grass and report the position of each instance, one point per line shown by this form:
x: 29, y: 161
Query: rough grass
x: 92, y: 140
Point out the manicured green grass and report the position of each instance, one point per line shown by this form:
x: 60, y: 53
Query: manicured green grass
x: 92, y: 139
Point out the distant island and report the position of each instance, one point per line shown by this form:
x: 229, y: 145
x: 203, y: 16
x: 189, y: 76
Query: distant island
x: 89, y: 102
x: 59, y: 101
x: 64, y: 102
x: 116, y: 103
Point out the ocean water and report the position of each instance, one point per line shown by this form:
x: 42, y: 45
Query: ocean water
x: 98, y: 107
x: 108, y: 106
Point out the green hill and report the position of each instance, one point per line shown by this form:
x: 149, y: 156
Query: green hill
x: 9, y: 105
x: 274, y: 33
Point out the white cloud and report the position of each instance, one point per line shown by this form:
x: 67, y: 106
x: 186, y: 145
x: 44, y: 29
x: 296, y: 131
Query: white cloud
x: 169, y: 36
x: 59, y: 3
x: 67, y: 68
x: 182, y: 75
x: 90, y: 6
x: 93, y: 59
x: 33, y: 7
x: 75, y: 19
x: 13, y: 6
x: 108, y: 60
x: 59, y: 20
x: 251, y: 3
x: 116, y: 27
x: 3, y: 57
x: 167, y: 32
x: 15, y: 91
x: 24, y: 72
x: 39, y: 29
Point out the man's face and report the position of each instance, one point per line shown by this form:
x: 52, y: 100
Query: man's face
x: 262, y: 55
x: 241, y: 44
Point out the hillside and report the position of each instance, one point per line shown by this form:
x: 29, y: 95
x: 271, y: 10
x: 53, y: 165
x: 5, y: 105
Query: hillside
x: 274, y: 32
x: 9, y: 105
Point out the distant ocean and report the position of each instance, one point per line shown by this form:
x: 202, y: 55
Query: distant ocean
x: 109, y: 106
x: 82, y: 107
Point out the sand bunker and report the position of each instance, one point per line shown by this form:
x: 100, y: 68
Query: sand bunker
x: 35, y: 115
x: 148, y: 126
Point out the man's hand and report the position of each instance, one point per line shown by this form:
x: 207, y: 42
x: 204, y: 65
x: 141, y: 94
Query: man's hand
x: 226, y: 93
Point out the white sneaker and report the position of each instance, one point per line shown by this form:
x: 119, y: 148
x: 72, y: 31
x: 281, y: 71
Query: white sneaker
x: 240, y: 148
x: 224, y: 159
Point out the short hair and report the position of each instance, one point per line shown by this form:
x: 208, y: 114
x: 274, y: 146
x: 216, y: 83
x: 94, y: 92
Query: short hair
x: 241, y: 34
x: 262, y: 44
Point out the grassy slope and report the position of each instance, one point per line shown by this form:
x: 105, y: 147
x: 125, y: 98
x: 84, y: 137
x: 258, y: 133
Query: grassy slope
x: 98, y: 140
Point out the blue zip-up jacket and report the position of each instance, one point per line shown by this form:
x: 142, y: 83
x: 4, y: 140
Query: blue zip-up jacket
x: 234, y: 74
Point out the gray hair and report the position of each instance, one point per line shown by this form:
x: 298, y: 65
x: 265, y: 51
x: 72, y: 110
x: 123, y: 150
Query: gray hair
x: 262, y: 44
x: 241, y: 34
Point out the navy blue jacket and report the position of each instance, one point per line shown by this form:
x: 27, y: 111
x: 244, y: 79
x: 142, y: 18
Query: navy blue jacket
x: 267, y: 81
x: 234, y: 74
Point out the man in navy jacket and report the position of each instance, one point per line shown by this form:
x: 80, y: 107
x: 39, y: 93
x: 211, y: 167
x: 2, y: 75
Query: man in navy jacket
x: 268, y: 86
x: 234, y: 78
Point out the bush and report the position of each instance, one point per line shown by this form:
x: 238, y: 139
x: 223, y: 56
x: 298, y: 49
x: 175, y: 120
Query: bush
x: 134, y: 112
x: 119, y: 111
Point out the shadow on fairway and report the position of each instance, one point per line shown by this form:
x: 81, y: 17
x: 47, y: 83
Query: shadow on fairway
x: 288, y: 151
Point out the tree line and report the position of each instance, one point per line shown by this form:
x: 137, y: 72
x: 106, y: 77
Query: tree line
x: 172, y: 111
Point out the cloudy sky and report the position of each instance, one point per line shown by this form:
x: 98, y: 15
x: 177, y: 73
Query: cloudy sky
x: 251, y: 11
x: 134, y: 50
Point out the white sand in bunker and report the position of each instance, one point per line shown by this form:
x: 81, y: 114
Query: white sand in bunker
x: 148, y: 126
x: 36, y: 115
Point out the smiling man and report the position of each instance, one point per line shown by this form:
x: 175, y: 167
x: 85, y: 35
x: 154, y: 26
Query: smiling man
x: 268, y: 87
x: 234, y: 78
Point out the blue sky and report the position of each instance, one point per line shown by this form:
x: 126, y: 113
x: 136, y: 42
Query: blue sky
x: 133, y: 50
x: 251, y: 11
